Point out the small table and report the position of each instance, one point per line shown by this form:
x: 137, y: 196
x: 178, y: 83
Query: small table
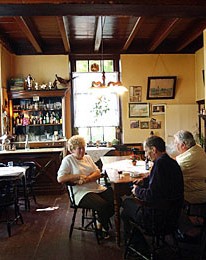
x: 12, y: 173
x: 122, y: 184
x: 15, y: 173
x: 97, y: 152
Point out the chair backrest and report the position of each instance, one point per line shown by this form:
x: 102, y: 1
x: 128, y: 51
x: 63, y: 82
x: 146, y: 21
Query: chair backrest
x: 162, y: 218
x: 31, y: 172
x: 70, y: 191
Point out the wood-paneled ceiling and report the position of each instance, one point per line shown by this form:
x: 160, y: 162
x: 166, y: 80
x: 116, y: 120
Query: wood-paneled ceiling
x: 74, y: 27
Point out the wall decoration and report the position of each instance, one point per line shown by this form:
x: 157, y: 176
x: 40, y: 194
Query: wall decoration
x: 134, y: 124
x: 144, y: 125
x: 158, y: 109
x: 155, y: 124
x: 161, y: 87
x: 139, y: 109
x: 135, y: 94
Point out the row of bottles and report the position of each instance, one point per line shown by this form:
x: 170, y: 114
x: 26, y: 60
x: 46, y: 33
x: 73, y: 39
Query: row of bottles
x: 40, y: 118
x: 37, y: 105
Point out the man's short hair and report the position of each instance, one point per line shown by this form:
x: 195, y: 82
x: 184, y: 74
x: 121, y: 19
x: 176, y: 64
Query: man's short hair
x: 156, y: 141
x: 185, y: 137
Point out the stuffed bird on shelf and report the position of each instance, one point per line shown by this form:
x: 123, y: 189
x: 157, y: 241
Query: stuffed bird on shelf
x: 63, y: 81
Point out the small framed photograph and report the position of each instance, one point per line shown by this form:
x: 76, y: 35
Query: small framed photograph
x: 155, y: 124
x: 139, y: 109
x: 134, y: 124
x: 144, y: 125
x: 135, y: 94
x: 158, y: 109
x: 161, y: 87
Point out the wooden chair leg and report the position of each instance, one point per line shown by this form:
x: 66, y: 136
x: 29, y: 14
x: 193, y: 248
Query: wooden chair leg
x: 73, y: 222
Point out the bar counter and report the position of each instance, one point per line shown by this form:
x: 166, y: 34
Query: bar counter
x: 47, y: 161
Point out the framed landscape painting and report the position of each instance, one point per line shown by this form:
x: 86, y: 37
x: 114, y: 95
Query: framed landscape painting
x: 139, y: 109
x: 161, y: 87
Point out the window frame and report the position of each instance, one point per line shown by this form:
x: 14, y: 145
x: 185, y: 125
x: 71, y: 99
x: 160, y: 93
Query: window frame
x: 116, y: 68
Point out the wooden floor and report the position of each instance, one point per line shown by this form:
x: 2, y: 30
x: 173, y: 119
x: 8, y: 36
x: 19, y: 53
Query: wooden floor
x: 44, y: 235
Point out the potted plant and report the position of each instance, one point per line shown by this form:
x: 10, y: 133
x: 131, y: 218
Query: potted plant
x: 134, y: 159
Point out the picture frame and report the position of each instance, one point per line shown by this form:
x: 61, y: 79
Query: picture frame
x: 134, y: 124
x: 161, y: 87
x: 135, y: 94
x: 144, y: 124
x: 155, y: 124
x: 139, y: 110
x: 158, y: 109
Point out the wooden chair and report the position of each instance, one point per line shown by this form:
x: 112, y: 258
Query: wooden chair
x: 30, y: 176
x: 157, y: 222
x: 88, y: 217
x: 197, y: 210
x: 8, y: 200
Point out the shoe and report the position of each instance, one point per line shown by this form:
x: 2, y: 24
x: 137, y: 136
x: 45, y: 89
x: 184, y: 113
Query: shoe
x: 185, y: 238
x: 105, y: 235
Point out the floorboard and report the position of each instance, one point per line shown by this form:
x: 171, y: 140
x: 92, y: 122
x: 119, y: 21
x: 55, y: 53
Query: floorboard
x: 45, y: 235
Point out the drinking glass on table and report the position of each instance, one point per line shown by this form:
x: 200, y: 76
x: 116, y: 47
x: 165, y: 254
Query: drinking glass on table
x: 10, y: 164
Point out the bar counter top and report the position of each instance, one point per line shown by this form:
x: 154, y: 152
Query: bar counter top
x: 33, y: 150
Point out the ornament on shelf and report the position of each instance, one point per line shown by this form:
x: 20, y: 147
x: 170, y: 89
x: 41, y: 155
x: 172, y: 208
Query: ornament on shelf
x: 29, y: 82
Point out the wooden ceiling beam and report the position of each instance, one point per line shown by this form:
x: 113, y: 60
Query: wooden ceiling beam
x: 162, y: 34
x: 99, y: 33
x: 133, y: 33
x: 64, y: 30
x: 106, y: 9
x: 27, y: 27
x: 186, y: 39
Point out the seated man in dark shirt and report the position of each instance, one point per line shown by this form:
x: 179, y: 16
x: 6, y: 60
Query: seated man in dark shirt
x: 165, y: 182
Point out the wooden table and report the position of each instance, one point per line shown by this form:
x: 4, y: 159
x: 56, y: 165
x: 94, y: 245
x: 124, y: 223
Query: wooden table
x: 122, y: 184
x: 13, y: 174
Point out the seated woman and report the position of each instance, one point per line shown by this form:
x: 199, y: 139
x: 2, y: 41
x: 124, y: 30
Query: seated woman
x: 78, y: 168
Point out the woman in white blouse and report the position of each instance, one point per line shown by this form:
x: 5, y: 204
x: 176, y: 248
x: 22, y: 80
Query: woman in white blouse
x: 78, y: 168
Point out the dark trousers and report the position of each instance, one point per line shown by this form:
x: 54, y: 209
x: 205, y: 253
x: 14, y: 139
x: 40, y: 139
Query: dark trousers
x: 131, y: 211
x: 103, y: 203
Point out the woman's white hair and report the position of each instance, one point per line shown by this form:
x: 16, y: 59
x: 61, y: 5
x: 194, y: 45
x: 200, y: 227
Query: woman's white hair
x: 76, y: 141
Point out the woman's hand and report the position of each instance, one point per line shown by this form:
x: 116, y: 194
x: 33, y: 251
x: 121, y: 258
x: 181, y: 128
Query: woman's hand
x: 82, y: 179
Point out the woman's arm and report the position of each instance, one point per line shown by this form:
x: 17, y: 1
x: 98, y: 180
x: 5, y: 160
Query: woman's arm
x: 93, y: 176
x: 71, y: 178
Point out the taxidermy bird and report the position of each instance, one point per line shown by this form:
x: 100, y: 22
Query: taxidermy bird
x: 63, y: 81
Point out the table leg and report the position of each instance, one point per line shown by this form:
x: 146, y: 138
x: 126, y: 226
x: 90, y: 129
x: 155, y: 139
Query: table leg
x: 117, y: 216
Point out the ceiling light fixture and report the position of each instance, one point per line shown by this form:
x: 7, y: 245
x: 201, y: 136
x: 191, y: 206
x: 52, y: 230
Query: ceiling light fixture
x: 110, y: 87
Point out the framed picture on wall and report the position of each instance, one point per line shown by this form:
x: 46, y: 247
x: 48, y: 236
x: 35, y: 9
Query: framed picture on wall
x: 134, y: 124
x: 139, y: 109
x: 155, y: 124
x: 161, y: 87
x: 135, y: 94
x: 144, y: 125
x: 158, y: 109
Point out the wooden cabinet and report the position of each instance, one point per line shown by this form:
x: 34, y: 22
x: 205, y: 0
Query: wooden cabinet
x: 38, y: 114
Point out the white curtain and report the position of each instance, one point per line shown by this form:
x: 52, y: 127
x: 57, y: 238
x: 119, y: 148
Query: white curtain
x: 87, y: 105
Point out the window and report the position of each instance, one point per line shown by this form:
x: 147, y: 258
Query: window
x: 96, y: 117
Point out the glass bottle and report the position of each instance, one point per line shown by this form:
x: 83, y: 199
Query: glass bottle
x: 27, y: 146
